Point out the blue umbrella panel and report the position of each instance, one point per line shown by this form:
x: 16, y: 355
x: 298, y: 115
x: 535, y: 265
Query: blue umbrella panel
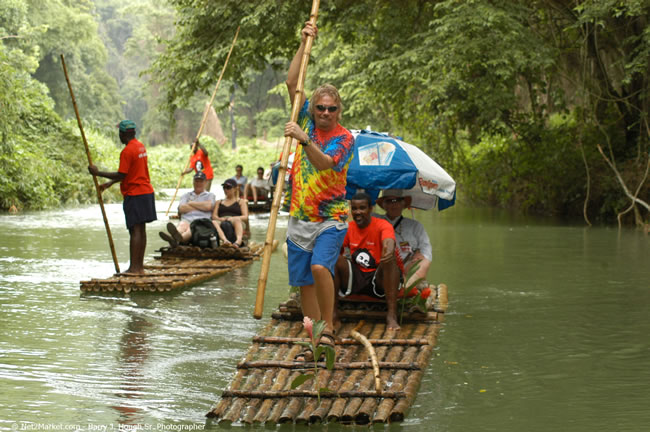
x: 382, y: 161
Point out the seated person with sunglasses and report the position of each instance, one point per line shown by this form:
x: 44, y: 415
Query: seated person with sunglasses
x: 412, y: 240
x: 230, y: 214
x: 315, y: 195
x: 194, y: 205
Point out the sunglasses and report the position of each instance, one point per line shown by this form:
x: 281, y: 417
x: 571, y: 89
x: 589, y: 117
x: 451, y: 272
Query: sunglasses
x: 331, y: 109
x: 394, y: 200
x: 226, y: 187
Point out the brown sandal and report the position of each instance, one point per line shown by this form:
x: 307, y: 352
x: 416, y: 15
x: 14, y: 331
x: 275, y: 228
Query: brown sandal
x: 304, y: 356
x: 327, y: 338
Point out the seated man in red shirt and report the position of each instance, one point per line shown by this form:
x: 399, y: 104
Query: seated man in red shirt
x: 139, y: 203
x: 199, y: 162
x: 375, y: 267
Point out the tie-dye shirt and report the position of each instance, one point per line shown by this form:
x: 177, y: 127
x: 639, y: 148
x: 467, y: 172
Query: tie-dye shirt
x: 318, y: 196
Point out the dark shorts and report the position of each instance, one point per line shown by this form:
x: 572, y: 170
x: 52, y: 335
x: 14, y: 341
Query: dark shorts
x: 362, y: 283
x: 139, y: 209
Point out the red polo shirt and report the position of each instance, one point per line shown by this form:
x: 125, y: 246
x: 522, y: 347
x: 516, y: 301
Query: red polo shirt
x: 133, y: 163
x: 199, y: 156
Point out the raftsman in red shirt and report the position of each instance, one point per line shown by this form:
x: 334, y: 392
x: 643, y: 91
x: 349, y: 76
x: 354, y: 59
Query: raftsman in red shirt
x: 204, y: 166
x: 133, y: 163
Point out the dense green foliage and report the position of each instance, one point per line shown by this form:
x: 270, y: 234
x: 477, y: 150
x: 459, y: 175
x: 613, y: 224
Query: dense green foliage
x: 549, y: 81
x: 538, y: 106
x: 42, y: 157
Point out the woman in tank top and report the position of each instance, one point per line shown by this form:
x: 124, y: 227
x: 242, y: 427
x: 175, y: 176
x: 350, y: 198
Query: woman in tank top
x: 230, y: 210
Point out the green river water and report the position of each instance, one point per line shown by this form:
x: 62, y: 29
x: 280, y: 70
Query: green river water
x: 548, y: 329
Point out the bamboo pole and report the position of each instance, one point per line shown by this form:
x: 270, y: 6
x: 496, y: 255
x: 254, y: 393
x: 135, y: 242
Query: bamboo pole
x: 276, y: 414
x: 359, y: 314
x: 371, y: 352
x: 442, y: 299
x: 407, y: 381
x: 338, y: 406
x: 344, y: 341
x: 203, y: 120
x: 244, y: 394
x: 90, y: 162
x: 225, y: 402
x: 239, y: 406
x: 277, y: 195
x: 352, y: 410
x: 249, y: 413
x: 368, y: 411
x: 359, y: 365
x: 280, y: 379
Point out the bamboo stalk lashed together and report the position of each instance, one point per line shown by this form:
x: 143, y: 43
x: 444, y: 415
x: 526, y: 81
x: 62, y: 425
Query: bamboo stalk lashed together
x: 99, y: 194
x: 277, y: 195
x: 371, y: 352
x: 205, y: 116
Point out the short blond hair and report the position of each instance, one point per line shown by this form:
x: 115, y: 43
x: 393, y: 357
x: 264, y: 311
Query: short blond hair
x: 326, y: 90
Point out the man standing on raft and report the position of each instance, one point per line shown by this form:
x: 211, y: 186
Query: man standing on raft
x: 317, y: 208
x: 139, y: 203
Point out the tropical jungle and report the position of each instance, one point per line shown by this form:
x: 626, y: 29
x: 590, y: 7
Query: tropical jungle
x: 540, y: 106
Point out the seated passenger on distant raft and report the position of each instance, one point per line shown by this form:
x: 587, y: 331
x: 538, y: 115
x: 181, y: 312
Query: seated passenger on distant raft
x: 194, y: 205
x: 240, y: 179
x: 413, y: 241
x: 258, y: 187
x: 374, y: 268
x: 230, y: 215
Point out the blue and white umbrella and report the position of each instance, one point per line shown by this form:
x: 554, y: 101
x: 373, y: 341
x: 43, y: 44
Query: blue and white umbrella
x: 382, y: 161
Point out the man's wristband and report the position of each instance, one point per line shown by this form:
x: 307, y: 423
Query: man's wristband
x: 305, y: 143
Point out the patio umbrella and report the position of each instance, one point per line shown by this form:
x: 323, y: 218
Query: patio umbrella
x: 382, y: 161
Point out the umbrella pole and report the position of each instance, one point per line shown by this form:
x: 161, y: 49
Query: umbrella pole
x: 203, y: 120
x: 90, y: 162
x: 277, y: 196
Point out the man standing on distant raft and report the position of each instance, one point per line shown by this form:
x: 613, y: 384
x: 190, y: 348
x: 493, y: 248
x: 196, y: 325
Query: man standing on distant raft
x: 139, y: 204
x: 413, y: 241
x: 199, y: 162
x: 316, y: 195
x: 193, y: 205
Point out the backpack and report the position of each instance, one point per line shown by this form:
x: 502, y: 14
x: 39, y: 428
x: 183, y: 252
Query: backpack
x: 202, y: 230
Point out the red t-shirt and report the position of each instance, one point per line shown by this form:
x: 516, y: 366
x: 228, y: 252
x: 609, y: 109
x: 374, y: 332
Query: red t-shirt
x: 204, y: 164
x: 133, y: 163
x: 365, y: 244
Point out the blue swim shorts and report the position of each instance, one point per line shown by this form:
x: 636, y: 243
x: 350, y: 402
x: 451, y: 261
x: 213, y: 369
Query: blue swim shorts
x: 327, y: 249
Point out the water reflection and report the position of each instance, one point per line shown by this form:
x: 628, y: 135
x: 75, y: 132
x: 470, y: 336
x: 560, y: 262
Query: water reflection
x: 134, y: 352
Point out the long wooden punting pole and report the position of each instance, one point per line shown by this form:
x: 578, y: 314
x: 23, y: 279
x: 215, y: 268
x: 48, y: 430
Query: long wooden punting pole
x: 99, y: 194
x: 277, y: 195
x: 205, y: 117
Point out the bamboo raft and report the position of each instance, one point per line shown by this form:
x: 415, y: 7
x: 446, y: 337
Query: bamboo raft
x: 178, y: 268
x: 261, y: 389
x: 262, y: 206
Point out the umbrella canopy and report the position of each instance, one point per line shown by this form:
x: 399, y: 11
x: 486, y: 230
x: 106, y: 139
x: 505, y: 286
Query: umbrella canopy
x: 382, y: 161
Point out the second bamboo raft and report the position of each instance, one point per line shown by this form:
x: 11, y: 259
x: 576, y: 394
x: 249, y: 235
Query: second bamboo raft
x: 178, y: 268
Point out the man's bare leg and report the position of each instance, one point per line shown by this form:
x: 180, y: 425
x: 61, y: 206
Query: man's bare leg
x: 309, y: 302
x: 137, y: 246
x: 422, y: 270
x: 388, y: 277
x: 324, y: 286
